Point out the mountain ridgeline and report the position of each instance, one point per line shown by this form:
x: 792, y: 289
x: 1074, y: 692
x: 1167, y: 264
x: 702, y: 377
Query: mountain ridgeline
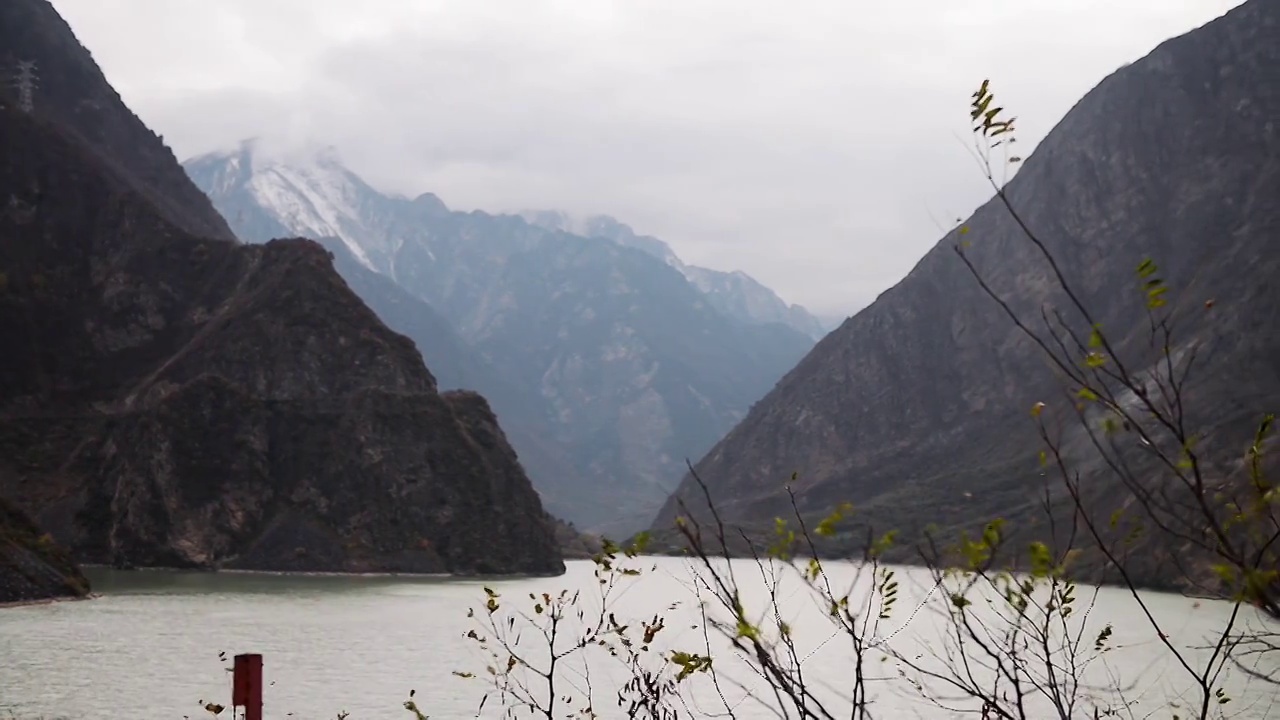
x: 607, y: 365
x: 184, y: 400
x: 735, y: 294
x: 916, y: 409
x: 70, y: 86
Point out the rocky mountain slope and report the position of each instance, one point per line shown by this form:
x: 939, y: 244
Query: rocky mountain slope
x: 735, y: 294
x: 185, y: 400
x: 32, y: 565
x: 70, y: 86
x: 524, y: 413
x: 606, y: 366
x: 916, y: 408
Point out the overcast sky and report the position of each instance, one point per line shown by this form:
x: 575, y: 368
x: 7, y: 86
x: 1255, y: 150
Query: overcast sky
x: 815, y: 144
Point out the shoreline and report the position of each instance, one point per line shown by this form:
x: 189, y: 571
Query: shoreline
x: 47, y: 601
x: 239, y: 571
x: 281, y: 573
x: 321, y: 573
x: 1111, y: 584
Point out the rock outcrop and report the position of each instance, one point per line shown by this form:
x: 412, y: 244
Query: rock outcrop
x: 32, y: 565
x: 176, y: 399
x: 916, y: 409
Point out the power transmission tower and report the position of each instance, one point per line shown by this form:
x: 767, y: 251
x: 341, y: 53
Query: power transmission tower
x: 25, y: 82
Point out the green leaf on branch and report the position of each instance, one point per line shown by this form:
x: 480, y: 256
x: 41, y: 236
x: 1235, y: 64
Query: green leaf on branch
x: 689, y: 663
x: 1041, y: 559
x: 1103, y: 636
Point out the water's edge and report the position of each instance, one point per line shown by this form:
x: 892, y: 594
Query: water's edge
x: 279, y: 573
x: 319, y: 573
x: 47, y: 601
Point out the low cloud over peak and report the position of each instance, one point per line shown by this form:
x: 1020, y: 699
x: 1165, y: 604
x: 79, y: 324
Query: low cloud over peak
x: 817, y: 147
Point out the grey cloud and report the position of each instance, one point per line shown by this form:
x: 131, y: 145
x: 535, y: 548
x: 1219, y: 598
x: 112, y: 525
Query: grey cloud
x: 818, y: 146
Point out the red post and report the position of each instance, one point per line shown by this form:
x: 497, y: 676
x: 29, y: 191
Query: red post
x: 246, y: 686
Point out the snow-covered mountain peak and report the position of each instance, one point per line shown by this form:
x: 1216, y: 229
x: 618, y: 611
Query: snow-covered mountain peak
x: 313, y: 199
x: 304, y: 187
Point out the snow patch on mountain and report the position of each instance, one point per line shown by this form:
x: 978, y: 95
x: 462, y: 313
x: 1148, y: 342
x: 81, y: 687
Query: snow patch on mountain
x: 312, y: 201
x: 307, y: 189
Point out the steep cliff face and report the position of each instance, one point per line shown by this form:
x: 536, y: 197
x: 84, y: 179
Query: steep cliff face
x: 915, y: 409
x: 180, y: 400
x: 605, y: 364
x: 70, y: 90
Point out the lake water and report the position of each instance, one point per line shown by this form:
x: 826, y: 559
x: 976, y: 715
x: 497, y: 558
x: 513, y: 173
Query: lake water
x: 149, y: 646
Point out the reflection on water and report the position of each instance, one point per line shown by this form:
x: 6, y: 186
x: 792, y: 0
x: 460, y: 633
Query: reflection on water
x: 149, y: 646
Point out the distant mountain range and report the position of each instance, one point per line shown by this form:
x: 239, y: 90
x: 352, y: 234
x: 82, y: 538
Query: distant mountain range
x: 736, y: 294
x: 607, y: 360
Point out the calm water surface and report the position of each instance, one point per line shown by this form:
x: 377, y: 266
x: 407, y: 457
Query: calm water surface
x: 149, y: 646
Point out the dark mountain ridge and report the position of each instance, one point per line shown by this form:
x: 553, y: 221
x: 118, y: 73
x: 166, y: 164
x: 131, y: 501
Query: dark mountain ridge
x: 71, y: 87
x: 189, y: 401
x: 916, y: 408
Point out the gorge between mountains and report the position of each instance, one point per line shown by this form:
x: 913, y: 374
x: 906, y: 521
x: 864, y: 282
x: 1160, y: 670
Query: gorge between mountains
x: 255, y: 360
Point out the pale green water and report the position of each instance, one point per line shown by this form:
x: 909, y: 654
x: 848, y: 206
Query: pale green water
x: 148, y: 648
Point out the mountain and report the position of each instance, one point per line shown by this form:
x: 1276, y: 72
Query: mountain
x: 453, y: 362
x: 456, y: 365
x: 603, y: 226
x: 916, y: 408
x: 70, y: 86
x: 184, y: 400
x: 32, y: 565
x: 606, y: 366
x: 735, y: 294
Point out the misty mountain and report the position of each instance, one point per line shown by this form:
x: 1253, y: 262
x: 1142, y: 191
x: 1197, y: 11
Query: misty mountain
x: 176, y: 398
x: 916, y: 408
x: 735, y: 294
x: 606, y: 366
